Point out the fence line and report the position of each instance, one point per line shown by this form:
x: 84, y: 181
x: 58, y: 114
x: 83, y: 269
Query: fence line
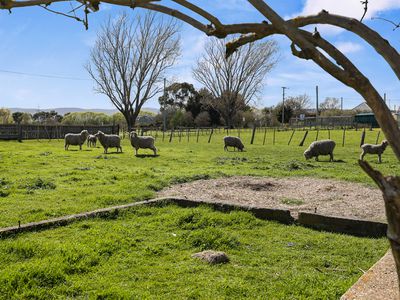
x: 255, y: 135
x: 26, y: 132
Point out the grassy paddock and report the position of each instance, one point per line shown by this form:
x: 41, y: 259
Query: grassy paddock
x: 146, y: 253
x: 40, y: 180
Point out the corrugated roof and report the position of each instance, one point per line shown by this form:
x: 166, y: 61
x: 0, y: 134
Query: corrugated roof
x: 362, y: 107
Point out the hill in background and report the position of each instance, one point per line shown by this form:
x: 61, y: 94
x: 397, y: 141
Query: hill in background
x: 64, y: 110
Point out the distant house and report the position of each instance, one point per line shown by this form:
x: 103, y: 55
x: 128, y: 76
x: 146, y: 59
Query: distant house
x: 366, y: 119
x: 362, y: 108
x: 145, y: 120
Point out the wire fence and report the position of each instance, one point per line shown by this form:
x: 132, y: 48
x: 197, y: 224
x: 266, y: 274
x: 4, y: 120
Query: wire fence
x: 26, y: 132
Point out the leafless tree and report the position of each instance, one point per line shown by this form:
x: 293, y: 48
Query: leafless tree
x: 330, y: 103
x: 304, y: 45
x: 298, y: 103
x: 129, y: 59
x: 234, y: 81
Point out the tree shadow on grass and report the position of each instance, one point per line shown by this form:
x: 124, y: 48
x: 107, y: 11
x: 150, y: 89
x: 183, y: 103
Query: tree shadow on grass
x: 334, y: 161
x: 146, y: 155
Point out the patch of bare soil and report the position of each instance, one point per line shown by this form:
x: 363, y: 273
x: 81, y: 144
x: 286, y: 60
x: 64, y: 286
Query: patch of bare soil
x: 324, y: 196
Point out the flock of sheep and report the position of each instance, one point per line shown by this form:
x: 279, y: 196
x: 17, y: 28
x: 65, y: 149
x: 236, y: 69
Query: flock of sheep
x: 317, y: 148
x: 326, y: 147
x: 109, y: 141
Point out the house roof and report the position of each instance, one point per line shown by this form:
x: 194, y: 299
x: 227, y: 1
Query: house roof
x: 362, y: 107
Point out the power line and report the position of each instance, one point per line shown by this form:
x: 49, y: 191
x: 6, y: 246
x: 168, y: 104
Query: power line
x: 42, y: 75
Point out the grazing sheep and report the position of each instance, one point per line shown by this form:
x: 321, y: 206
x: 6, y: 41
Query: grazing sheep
x: 374, y: 149
x: 144, y: 142
x: 75, y: 139
x: 91, y: 140
x: 109, y: 141
x: 324, y: 147
x: 233, y: 141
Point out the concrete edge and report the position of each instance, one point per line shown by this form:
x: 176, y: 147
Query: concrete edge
x: 279, y: 215
x: 320, y: 222
x: 65, y: 220
x: 356, y: 227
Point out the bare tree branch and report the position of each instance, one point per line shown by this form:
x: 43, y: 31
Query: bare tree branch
x: 129, y: 59
x: 365, y: 3
x: 236, y: 80
x: 396, y: 25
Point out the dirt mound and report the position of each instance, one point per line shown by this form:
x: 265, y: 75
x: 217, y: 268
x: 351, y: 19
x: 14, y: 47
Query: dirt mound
x: 324, y: 196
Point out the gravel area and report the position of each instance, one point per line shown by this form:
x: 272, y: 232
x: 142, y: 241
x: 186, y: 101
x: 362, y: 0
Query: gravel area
x: 324, y: 196
x: 378, y: 283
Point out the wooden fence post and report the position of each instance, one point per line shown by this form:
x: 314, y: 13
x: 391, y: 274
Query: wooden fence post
x: 329, y: 134
x: 19, y: 133
x: 273, y: 138
x: 316, y: 137
x: 180, y: 134
x: 253, y: 134
x: 362, y: 138
x: 265, y: 135
x: 188, y: 134
x: 198, y: 132
x: 291, y: 137
x: 304, y: 138
x: 344, y: 136
x: 377, y: 137
x: 211, y: 133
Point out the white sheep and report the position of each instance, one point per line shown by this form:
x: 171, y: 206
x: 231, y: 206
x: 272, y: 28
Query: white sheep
x: 75, y: 139
x: 142, y: 142
x: 91, y: 140
x: 374, y: 149
x: 324, y: 147
x: 233, y: 141
x: 109, y: 141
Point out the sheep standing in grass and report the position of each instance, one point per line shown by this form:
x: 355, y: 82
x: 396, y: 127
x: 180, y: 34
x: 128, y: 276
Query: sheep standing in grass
x: 144, y: 142
x: 233, y: 141
x: 374, y: 149
x: 75, y: 139
x: 324, y: 147
x: 109, y: 141
x: 91, y: 140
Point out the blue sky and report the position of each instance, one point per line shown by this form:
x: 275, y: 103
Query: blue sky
x: 38, y: 42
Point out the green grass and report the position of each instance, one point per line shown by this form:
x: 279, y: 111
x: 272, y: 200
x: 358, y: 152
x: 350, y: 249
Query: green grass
x: 40, y: 180
x: 291, y: 201
x: 145, y: 253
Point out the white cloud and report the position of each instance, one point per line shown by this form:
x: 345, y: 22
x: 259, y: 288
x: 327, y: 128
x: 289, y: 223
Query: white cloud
x: 349, y: 47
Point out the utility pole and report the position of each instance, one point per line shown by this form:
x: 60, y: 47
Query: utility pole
x: 164, y: 112
x: 283, y: 104
x: 316, y: 98
x: 341, y: 103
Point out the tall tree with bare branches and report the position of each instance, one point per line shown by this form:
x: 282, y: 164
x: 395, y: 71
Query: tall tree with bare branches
x: 235, y: 80
x: 304, y: 45
x: 129, y: 59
